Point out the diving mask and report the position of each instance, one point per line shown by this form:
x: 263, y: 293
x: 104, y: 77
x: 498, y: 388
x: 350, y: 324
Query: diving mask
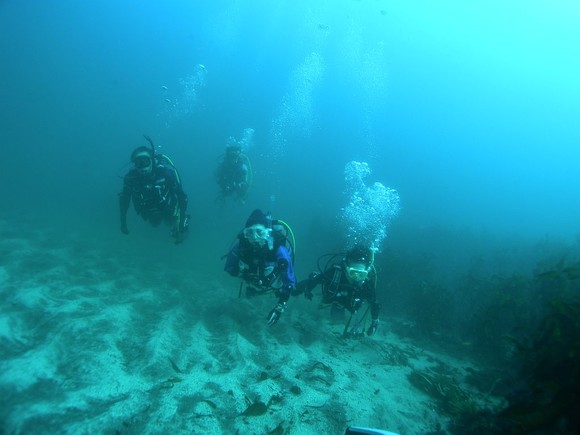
x: 357, y: 272
x: 143, y: 163
x: 257, y: 233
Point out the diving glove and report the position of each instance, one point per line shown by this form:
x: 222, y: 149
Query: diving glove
x: 276, y: 313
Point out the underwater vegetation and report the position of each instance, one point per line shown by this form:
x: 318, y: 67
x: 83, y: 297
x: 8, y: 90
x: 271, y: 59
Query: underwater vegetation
x: 547, y: 399
x: 469, y: 411
x: 540, y: 378
x: 450, y: 397
x: 517, y: 317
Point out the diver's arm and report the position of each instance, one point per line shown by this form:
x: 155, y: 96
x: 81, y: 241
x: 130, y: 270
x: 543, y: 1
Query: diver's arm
x: 307, y: 285
x: 284, y: 264
x: 286, y: 271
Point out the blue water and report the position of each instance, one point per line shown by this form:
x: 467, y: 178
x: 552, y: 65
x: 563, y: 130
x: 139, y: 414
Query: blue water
x: 468, y: 110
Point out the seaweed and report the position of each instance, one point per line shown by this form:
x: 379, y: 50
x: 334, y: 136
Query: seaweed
x: 562, y: 272
x: 449, y: 396
x: 546, y: 397
x: 391, y: 355
x: 467, y: 415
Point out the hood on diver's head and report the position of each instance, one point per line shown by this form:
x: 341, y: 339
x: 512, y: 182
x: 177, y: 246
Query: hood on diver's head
x: 258, y: 217
x: 359, y: 254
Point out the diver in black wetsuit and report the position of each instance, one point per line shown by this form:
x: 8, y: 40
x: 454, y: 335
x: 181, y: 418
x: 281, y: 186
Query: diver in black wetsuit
x: 154, y: 186
x: 347, y: 284
x: 233, y: 174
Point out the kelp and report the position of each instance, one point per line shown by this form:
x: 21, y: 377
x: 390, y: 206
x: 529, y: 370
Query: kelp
x: 563, y: 271
x: 390, y: 354
x: 444, y: 389
x: 467, y: 415
x: 547, y: 399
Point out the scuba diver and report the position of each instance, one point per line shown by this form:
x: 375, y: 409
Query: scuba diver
x: 345, y: 285
x: 154, y: 186
x: 263, y: 257
x: 234, y: 173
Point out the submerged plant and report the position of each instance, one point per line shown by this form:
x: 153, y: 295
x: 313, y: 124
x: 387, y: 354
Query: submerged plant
x: 444, y: 389
x: 468, y: 414
x: 548, y: 398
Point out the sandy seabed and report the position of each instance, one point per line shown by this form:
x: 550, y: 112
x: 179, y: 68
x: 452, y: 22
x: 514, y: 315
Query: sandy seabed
x: 91, y: 343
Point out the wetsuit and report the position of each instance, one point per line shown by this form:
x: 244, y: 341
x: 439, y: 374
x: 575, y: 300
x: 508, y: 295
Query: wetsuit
x: 336, y: 288
x: 156, y: 197
x: 232, y: 176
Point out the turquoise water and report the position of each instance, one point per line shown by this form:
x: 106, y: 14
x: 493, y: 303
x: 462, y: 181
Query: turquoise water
x: 468, y: 111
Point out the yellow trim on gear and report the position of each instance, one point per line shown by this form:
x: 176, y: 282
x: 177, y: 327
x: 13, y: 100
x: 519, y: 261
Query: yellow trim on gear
x: 174, y: 168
